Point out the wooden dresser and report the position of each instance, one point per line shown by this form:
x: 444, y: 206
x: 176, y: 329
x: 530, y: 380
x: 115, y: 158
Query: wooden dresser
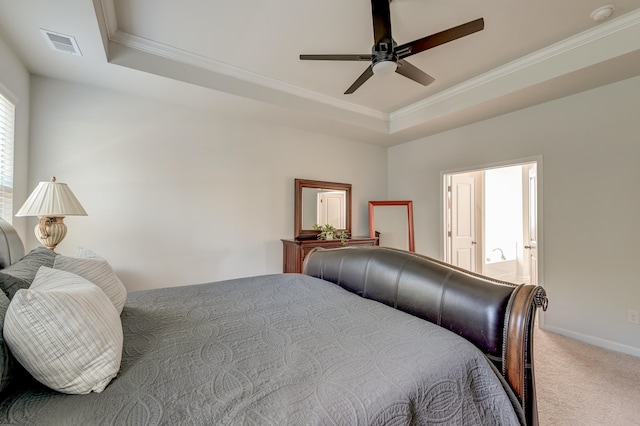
x: 294, y: 251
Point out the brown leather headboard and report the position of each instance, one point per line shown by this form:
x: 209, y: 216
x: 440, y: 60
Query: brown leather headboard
x: 495, y: 316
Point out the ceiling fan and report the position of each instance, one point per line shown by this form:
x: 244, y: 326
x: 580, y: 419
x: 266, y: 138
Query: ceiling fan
x: 386, y: 56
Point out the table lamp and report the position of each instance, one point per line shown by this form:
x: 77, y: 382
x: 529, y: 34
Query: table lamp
x: 51, y: 202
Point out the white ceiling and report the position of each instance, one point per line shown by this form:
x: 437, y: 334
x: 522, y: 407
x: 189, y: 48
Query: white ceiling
x: 242, y: 57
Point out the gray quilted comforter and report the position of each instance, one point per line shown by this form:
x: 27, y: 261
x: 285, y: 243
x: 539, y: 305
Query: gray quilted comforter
x: 277, y: 350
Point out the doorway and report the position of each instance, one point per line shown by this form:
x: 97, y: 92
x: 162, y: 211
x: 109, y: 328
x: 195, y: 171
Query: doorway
x: 331, y: 208
x: 491, y: 221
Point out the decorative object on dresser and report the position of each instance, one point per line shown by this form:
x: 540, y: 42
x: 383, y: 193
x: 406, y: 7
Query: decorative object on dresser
x: 51, y: 202
x: 328, y: 232
x: 319, y: 202
x: 392, y: 223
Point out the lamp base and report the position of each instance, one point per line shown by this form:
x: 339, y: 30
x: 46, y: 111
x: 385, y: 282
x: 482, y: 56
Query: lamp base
x: 50, y: 231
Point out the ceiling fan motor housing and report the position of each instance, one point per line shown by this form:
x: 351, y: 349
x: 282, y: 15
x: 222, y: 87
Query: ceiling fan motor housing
x: 383, y: 51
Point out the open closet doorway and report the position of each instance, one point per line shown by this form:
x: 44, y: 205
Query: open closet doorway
x: 491, y: 221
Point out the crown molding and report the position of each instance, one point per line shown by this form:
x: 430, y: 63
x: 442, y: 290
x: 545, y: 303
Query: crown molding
x: 179, y: 55
x: 108, y: 10
x: 599, y: 44
x: 218, y: 67
x: 572, y: 43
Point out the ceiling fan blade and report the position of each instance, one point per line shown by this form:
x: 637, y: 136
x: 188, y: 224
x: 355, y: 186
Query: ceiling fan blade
x: 414, y: 73
x: 366, y: 75
x: 437, y: 39
x: 355, y: 57
x: 381, y: 21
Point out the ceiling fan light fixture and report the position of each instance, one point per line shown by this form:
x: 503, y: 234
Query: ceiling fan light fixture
x: 385, y: 67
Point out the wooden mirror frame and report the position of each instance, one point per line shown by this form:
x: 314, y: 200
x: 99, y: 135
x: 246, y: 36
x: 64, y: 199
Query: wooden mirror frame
x: 407, y: 203
x: 298, y: 232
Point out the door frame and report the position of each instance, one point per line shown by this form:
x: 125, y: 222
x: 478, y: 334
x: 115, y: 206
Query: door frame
x: 539, y: 210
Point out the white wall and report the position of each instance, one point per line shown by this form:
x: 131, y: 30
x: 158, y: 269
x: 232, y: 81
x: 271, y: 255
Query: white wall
x: 14, y: 85
x: 177, y: 196
x: 590, y: 145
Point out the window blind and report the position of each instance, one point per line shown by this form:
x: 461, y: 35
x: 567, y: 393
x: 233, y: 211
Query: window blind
x: 7, y: 122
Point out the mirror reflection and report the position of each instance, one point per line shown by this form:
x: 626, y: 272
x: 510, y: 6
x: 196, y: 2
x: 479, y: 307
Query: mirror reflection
x: 322, y: 203
x: 324, y: 207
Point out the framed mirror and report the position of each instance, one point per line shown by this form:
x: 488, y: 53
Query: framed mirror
x: 322, y: 203
x: 392, y: 223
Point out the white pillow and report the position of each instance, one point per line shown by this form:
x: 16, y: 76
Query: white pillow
x: 66, y: 332
x: 99, y: 272
x: 86, y: 253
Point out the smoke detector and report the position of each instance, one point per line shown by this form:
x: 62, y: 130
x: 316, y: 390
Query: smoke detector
x: 61, y: 42
x: 602, y: 13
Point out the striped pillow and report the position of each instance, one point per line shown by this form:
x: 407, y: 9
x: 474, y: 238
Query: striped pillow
x: 66, y: 332
x: 86, y: 253
x: 99, y: 272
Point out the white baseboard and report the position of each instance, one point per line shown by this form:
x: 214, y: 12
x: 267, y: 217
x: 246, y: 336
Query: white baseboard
x: 603, y: 343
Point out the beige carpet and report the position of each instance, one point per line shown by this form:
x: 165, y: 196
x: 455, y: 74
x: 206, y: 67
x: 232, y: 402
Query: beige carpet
x: 581, y: 384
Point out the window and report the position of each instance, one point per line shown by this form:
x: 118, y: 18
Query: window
x: 7, y: 117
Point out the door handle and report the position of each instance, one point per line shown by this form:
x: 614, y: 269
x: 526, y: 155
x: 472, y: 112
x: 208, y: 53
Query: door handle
x: 473, y: 242
x: 529, y: 247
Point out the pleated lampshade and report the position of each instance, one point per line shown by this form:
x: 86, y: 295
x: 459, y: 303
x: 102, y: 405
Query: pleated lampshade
x: 52, y: 199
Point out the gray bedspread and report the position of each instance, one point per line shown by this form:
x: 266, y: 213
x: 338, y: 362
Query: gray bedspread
x: 282, y: 349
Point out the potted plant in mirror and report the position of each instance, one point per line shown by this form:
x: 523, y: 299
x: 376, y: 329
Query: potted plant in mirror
x: 329, y: 232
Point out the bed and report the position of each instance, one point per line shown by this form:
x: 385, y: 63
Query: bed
x: 365, y: 336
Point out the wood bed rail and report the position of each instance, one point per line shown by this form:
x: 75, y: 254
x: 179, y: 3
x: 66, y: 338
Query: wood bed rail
x: 517, y: 366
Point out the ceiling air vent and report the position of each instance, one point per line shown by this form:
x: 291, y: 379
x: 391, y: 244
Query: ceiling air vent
x: 61, y: 43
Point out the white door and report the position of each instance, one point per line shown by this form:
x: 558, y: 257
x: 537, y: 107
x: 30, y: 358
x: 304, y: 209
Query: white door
x: 463, y: 222
x: 331, y: 209
x: 532, y: 247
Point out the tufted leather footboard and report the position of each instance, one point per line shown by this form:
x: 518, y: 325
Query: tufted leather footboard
x: 496, y: 316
